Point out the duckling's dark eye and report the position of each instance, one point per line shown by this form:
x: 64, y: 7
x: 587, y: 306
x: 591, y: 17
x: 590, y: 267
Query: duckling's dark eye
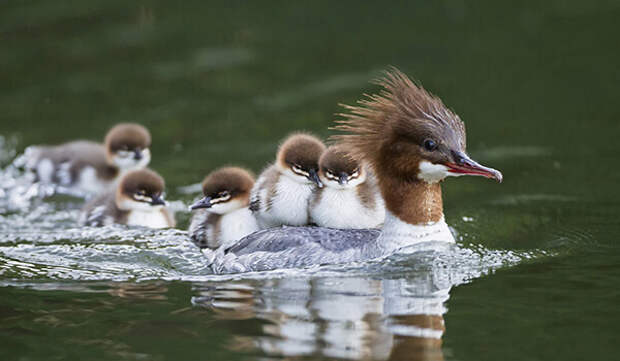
x: 430, y: 145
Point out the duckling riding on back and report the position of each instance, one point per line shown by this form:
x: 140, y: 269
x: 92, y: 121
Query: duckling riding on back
x: 283, y: 190
x: 222, y: 216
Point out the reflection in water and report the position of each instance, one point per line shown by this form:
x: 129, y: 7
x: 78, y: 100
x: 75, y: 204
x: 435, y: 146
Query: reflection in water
x: 144, y: 291
x: 346, y: 318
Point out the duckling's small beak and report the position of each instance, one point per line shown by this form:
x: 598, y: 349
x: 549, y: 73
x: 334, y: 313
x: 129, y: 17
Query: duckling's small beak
x: 313, y: 176
x: 203, y: 203
x: 343, y: 178
x: 158, y: 201
x: 463, y: 165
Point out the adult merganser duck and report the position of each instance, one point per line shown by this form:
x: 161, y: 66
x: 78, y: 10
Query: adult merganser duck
x: 136, y: 201
x: 223, y: 215
x: 282, y: 191
x: 350, y: 197
x: 92, y: 167
x: 412, y: 141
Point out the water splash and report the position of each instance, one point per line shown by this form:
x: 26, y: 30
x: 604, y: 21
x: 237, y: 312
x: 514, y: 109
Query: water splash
x: 121, y: 253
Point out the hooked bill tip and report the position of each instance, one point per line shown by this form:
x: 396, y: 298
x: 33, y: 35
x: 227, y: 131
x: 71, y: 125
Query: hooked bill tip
x: 499, y: 177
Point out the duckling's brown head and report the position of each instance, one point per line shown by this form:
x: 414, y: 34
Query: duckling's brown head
x: 408, y: 133
x: 298, y: 157
x: 338, y: 169
x: 127, y: 146
x: 225, y: 190
x: 140, y: 190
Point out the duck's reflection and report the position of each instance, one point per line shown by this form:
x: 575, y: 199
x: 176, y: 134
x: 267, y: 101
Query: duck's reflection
x: 144, y: 291
x: 346, y: 318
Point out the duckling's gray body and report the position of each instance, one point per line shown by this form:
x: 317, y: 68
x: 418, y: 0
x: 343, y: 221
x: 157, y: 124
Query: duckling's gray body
x: 81, y: 164
x: 102, y: 211
x: 84, y: 166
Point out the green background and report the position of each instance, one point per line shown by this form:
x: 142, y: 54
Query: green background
x: 221, y: 82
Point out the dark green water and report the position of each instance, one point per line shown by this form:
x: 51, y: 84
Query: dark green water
x: 221, y: 82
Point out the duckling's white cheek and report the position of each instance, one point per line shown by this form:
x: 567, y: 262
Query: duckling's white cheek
x: 225, y: 207
x: 357, y: 181
x: 432, y: 173
x: 298, y: 178
x: 128, y: 161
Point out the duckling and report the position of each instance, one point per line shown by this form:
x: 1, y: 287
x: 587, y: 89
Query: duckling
x: 136, y: 201
x: 223, y: 216
x: 283, y: 190
x: 350, y: 198
x: 91, y: 167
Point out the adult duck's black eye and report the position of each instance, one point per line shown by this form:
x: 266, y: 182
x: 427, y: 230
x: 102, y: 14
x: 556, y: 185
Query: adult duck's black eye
x: 430, y: 145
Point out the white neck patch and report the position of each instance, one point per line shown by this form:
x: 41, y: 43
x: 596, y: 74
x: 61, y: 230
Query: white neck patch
x: 432, y: 173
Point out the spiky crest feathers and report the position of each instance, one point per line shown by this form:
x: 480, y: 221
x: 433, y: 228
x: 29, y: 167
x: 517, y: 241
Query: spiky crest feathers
x: 401, y: 108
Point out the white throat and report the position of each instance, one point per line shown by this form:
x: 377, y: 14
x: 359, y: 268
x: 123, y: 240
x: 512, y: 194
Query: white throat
x: 397, y: 234
x: 126, y: 161
x: 432, y: 173
x: 153, y: 219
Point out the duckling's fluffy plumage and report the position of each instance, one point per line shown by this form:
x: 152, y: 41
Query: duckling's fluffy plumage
x: 350, y: 197
x: 283, y: 190
x: 228, y: 218
x: 136, y: 201
x: 91, y: 167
